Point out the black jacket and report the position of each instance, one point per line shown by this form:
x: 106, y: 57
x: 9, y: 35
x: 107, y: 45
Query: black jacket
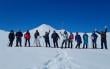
x: 19, y: 34
x: 11, y: 36
x: 46, y: 36
x: 55, y: 36
x: 103, y: 35
x: 36, y: 34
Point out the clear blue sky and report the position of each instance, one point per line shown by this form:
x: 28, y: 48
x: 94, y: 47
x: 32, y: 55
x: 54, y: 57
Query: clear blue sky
x: 72, y: 15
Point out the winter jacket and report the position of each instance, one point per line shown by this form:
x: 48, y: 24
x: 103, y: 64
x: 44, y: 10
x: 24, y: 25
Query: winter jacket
x: 27, y: 36
x: 85, y: 38
x: 46, y: 36
x: 36, y: 35
x: 94, y: 37
x: 103, y: 35
x: 55, y: 36
x: 78, y: 39
x: 11, y: 36
x: 19, y: 35
x: 65, y: 36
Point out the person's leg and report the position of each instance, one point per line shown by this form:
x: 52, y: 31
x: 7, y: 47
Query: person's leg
x: 17, y: 42
x: 95, y: 46
x: 57, y: 44
x: 12, y: 42
x: 29, y: 42
x: 105, y: 43
x: 65, y: 43
x: 101, y: 44
x: 54, y: 43
x: 76, y: 45
x: 69, y: 44
x: 84, y: 45
x: 62, y: 44
x: 20, y: 41
x: 25, y: 42
x: 49, y: 43
x: 46, y: 43
x: 79, y: 45
x: 37, y: 42
x: 9, y: 43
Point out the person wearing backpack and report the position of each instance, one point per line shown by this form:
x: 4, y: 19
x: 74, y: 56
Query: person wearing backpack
x: 19, y: 36
x: 36, y: 36
x: 11, y: 37
x: 94, y: 37
x: 78, y: 40
x: 27, y: 37
x: 70, y: 40
x: 85, y: 39
x: 65, y: 39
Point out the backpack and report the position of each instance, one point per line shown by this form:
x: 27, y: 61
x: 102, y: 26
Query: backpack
x: 71, y: 36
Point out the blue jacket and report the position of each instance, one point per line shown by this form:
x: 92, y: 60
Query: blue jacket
x: 85, y: 38
x: 78, y: 39
x: 94, y: 37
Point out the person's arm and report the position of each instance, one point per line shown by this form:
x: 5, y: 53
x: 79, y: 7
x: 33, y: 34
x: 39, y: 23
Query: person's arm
x: 98, y: 32
x: 9, y: 36
x: 75, y: 38
x: 105, y: 30
x: 49, y: 32
x: 83, y: 36
x: 44, y: 36
x: 52, y: 36
x: 58, y: 36
x: 14, y: 36
x: 21, y: 34
x: 61, y: 34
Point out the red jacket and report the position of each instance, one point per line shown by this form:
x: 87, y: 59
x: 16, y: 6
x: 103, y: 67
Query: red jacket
x: 27, y: 36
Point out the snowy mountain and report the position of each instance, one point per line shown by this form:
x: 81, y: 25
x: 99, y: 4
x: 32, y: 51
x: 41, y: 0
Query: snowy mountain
x: 50, y: 58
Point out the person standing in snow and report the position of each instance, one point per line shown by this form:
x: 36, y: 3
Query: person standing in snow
x: 103, y: 38
x: 65, y: 39
x: 11, y: 38
x: 46, y: 37
x: 70, y: 40
x: 55, y: 38
x: 85, y: 39
x: 27, y: 37
x: 78, y: 40
x: 94, y: 37
x: 19, y: 36
x: 36, y: 36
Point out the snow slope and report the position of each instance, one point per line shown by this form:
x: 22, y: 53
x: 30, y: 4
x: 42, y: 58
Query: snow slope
x: 50, y: 58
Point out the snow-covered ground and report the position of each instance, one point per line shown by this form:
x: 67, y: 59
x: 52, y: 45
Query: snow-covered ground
x: 50, y: 58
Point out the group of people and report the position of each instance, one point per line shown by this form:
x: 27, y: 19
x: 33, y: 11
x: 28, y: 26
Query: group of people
x: 67, y: 39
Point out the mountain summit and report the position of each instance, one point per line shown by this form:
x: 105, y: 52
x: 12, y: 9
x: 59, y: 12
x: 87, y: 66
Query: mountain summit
x: 43, y: 28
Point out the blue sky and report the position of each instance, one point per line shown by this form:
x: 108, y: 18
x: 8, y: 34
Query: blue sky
x: 72, y: 15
